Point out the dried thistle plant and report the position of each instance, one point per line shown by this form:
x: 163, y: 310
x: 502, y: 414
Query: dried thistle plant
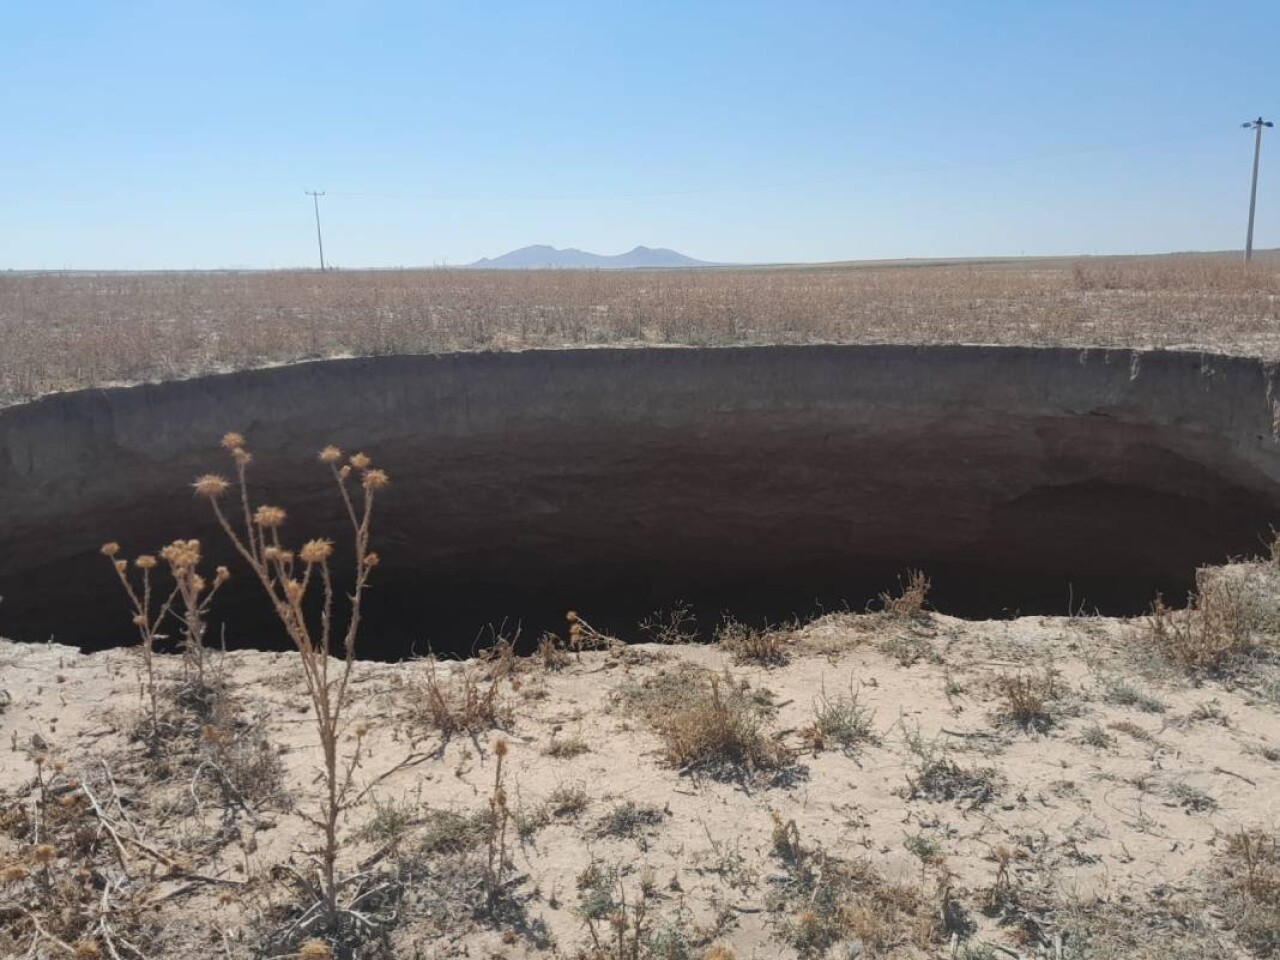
x: 288, y: 577
x: 188, y: 600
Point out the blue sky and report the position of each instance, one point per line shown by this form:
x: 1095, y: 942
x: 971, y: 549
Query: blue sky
x: 183, y: 134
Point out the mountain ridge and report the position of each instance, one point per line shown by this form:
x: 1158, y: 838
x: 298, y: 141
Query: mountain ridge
x: 541, y: 256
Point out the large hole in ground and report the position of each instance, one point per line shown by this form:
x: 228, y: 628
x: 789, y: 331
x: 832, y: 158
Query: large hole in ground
x: 765, y: 482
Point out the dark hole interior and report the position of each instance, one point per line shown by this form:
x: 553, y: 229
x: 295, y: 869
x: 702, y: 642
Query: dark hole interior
x: 1093, y: 548
x: 764, y: 484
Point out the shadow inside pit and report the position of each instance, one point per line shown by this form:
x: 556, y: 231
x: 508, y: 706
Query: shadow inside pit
x: 407, y: 615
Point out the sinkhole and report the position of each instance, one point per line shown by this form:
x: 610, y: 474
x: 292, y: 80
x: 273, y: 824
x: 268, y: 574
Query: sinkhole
x: 761, y: 481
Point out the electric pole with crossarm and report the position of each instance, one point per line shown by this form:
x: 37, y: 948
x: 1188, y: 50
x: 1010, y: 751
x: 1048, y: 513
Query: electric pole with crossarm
x: 315, y: 196
x: 1257, y: 126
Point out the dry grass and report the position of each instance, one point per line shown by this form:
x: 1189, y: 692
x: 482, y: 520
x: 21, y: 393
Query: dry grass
x: 1250, y: 890
x: 824, y: 900
x: 1226, y: 622
x: 908, y: 602
x: 64, y: 331
x: 1030, y: 700
x: 465, y: 701
x: 710, y: 724
x: 840, y: 722
x: 766, y: 646
x: 722, y: 734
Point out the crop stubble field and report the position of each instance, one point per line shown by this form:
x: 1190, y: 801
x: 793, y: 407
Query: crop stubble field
x: 63, y: 331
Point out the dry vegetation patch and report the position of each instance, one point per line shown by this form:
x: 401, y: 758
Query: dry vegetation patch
x: 64, y: 331
x: 921, y: 828
x: 712, y: 724
x: 1233, y: 618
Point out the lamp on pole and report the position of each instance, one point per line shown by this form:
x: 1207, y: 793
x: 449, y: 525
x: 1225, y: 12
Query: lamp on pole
x: 1257, y: 126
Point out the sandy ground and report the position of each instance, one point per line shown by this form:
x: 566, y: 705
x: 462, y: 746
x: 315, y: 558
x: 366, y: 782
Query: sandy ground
x: 1098, y: 830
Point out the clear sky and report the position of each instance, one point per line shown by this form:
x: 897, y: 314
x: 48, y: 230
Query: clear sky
x: 182, y: 134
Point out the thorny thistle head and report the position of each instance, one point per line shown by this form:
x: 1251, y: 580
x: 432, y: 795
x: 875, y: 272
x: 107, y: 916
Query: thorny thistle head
x: 14, y: 873
x: 221, y: 576
x: 314, y: 950
x: 232, y: 440
x: 371, y: 559
x: 330, y: 454
x: 500, y: 748
x: 316, y: 551
x: 242, y: 456
x: 211, y: 485
x: 183, y: 556
x: 86, y: 950
x: 145, y: 561
x: 269, y: 517
x: 110, y: 549
x: 361, y: 461
x: 293, y: 590
x: 121, y: 566
x: 375, y: 479
x: 44, y: 853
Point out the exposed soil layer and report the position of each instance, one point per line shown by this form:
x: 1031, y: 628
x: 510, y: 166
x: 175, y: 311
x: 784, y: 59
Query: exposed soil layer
x: 763, y: 480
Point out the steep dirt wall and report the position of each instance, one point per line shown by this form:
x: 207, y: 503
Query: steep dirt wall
x: 617, y: 480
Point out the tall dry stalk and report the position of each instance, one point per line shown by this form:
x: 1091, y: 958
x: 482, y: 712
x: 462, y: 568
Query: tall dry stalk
x: 288, y: 577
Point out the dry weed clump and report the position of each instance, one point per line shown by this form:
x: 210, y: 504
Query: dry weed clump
x: 565, y: 748
x: 553, y: 656
x: 465, y: 701
x: 829, y: 906
x: 1227, y: 620
x: 1249, y: 891
x: 939, y: 778
x: 767, y: 647
x: 623, y: 925
x: 76, y: 886
x: 64, y: 331
x: 1122, y: 693
x: 461, y: 868
x: 909, y: 602
x: 710, y: 724
x: 841, y: 722
x: 1030, y: 701
x: 672, y: 627
x: 722, y: 735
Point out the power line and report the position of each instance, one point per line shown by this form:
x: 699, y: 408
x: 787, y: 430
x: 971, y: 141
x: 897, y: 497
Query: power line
x: 315, y: 199
x: 931, y: 168
x: 1256, y: 126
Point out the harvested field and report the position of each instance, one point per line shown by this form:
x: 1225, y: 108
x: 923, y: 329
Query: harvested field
x: 64, y: 331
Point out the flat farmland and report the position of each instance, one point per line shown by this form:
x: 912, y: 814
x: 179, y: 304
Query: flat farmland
x: 63, y: 331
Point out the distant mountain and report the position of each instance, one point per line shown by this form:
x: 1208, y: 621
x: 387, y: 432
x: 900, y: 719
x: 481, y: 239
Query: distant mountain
x: 542, y: 257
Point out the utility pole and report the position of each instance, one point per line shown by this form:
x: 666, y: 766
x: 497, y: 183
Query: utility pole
x: 1257, y: 126
x: 316, y: 195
